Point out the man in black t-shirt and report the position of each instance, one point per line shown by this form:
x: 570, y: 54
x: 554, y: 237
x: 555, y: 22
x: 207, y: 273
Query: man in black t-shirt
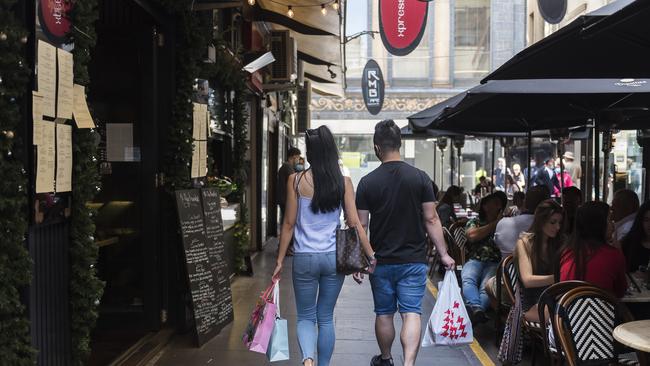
x: 400, y: 202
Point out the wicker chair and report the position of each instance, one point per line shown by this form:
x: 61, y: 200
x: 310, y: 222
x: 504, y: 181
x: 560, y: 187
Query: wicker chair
x: 584, y: 320
x: 546, y: 305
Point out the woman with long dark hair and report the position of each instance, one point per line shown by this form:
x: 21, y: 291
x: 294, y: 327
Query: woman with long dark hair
x: 314, y: 201
x: 534, y: 255
x: 445, y: 207
x: 636, y: 244
x: 588, y: 257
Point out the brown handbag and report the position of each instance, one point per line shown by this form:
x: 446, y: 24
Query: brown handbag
x: 350, y: 257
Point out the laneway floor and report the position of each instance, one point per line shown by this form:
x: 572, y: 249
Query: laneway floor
x: 354, y: 319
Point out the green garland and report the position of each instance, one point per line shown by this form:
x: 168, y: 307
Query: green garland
x: 85, y: 287
x: 15, y: 262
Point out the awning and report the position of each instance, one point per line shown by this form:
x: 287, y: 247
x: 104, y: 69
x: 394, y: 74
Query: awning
x: 307, y: 18
x: 611, y: 42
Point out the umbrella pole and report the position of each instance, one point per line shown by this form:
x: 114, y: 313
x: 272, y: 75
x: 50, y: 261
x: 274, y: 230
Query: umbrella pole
x: 596, y: 142
x: 560, y: 152
x: 434, y: 162
x: 442, y: 169
x: 493, y: 155
x: 607, y: 148
x: 452, y: 159
x: 459, y: 164
x: 529, y: 155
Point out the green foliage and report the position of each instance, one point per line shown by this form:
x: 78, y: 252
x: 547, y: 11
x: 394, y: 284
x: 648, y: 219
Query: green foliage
x: 85, y: 288
x: 15, y: 262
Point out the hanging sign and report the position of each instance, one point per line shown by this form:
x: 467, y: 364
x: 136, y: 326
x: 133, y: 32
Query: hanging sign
x: 54, y: 18
x: 401, y: 24
x: 553, y: 11
x: 372, y: 87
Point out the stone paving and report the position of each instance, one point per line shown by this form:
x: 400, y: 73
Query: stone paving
x: 354, y: 319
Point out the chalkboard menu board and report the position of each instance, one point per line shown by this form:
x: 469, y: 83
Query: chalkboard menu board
x: 199, y: 214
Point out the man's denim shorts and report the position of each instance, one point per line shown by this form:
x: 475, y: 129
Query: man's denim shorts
x: 398, y: 287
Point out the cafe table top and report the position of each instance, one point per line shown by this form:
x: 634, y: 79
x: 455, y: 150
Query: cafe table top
x: 634, y: 334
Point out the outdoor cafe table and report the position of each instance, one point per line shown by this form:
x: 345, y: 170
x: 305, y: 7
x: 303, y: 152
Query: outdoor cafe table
x: 635, y: 335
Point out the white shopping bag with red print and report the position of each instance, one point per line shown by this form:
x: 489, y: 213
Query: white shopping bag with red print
x: 448, y: 323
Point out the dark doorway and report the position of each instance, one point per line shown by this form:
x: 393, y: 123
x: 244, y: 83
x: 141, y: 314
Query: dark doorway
x: 123, y: 95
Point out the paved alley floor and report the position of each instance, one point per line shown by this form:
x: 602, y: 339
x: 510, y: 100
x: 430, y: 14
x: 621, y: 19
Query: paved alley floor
x: 354, y: 319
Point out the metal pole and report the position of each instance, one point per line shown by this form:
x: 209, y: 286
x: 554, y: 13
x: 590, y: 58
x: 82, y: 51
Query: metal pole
x: 493, y: 155
x: 452, y: 163
x: 442, y: 169
x: 529, y: 155
x: 459, y: 165
x: 434, y: 162
x: 607, y: 148
x: 560, y: 152
x: 596, y: 142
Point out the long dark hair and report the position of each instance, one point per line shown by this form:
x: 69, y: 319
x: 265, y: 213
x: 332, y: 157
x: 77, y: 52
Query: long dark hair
x: 631, y: 243
x: 589, y: 233
x: 451, y: 193
x: 323, y: 156
x: 542, y: 258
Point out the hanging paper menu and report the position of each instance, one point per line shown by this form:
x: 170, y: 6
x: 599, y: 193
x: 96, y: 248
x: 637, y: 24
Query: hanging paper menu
x: 45, y: 155
x: 63, y: 158
x: 80, y: 111
x: 46, y: 77
x: 65, y: 91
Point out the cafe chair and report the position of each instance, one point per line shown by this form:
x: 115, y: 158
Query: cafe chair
x: 510, y: 278
x: 546, y: 305
x: 584, y: 321
x: 457, y: 229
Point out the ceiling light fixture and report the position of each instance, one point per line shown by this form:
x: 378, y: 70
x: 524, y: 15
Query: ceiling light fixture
x: 335, y: 5
x: 290, y: 12
x: 323, y: 9
x: 251, y: 2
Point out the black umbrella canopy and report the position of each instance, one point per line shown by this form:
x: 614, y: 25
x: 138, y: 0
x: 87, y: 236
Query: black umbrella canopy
x: 574, y: 133
x: 525, y: 105
x: 423, y: 119
x: 611, y: 42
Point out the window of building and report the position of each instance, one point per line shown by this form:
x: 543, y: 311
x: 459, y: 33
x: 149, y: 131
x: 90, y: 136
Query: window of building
x: 471, y: 40
x: 356, y: 51
x: 415, y: 65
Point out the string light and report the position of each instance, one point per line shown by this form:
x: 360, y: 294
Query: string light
x: 323, y: 9
x: 335, y: 5
x: 290, y: 11
x: 251, y: 2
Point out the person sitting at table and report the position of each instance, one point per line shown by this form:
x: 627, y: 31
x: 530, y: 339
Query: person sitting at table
x: 509, y: 229
x: 517, y: 206
x: 636, y: 244
x: 588, y: 257
x: 484, y: 256
x: 571, y: 200
x: 445, y: 207
x: 625, y: 204
x: 535, y: 253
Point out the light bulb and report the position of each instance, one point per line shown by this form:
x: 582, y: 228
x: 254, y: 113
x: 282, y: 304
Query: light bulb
x: 290, y: 12
x: 323, y: 9
x: 335, y: 5
x: 251, y: 2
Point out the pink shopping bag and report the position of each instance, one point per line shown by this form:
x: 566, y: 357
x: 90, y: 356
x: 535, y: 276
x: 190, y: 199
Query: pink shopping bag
x: 260, y: 326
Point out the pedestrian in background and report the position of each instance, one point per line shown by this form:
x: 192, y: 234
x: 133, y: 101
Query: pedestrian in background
x: 397, y: 200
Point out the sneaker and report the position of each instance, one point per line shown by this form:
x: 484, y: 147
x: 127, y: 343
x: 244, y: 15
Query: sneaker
x: 378, y: 361
x: 478, y: 315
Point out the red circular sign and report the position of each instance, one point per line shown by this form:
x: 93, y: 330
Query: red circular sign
x: 54, y: 18
x: 401, y: 24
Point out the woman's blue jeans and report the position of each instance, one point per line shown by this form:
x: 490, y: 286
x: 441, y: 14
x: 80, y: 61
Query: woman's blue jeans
x: 316, y: 286
x: 475, y: 275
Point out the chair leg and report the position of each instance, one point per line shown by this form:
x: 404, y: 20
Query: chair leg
x: 534, y: 352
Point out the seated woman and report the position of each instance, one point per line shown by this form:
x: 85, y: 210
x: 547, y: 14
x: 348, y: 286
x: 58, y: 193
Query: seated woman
x: 636, y: 244
x: 588, y: 257
x: 445, y: 207
x: 534, y: 255
x: 484, y: 256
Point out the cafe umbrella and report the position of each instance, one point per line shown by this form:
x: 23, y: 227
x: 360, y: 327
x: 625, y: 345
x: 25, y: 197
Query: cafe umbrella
x: 611, y: 42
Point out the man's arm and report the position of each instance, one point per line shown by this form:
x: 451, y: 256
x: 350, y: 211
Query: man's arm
x: 434, y: 229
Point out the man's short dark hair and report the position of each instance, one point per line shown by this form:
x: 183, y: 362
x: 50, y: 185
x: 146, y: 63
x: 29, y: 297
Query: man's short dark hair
x: 293, y: 151
x: 387, y: 135
x: 535, y: 196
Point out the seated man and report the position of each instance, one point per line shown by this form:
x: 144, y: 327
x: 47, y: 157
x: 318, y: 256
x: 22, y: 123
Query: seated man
x: 509, y: 228
x: 625, y: 204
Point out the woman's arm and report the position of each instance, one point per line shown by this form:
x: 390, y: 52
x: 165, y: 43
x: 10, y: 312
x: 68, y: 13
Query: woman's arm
x: 526, y: 269
x: 352, y: 217
x: 290, y: 214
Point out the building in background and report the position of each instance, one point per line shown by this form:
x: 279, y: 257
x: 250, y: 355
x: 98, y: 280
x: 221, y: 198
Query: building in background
x: 463, y: 41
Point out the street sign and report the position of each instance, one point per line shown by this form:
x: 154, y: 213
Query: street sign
x: 372, y: 87
x: 401, y: 24
x: 54, y: 18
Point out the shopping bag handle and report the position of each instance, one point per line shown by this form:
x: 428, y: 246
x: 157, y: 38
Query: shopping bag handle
x: 276, y: 297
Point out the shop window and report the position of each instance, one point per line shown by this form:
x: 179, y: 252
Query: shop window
x: 471, y: 40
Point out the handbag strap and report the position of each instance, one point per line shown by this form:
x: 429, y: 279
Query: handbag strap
x: 276, y: 297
